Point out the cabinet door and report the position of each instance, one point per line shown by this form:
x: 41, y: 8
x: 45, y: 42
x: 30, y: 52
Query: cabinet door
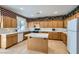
x: 50, y: 24
x: 64, y: 38
x: 42, y: 24
x: 13, y: 23
x: 54, y: 24
x: 60, y: 24
x: 65, y: 23
x: 50, y: 35
x: 6, y: 22
x: 11, y: 40
x: 45, y: 24
x: 31, y: 25
x: 54, y: 35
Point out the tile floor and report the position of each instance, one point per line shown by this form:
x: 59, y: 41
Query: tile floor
x: 55, y: 47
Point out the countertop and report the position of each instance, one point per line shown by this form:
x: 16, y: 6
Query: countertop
x: 41, y: 30
x: 38, y: 35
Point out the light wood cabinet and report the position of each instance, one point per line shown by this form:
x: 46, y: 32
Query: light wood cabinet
x: 54, y: 35
x: 50, y: 24
x: 31, y: 25
x: 6, y: 22
x: 9, y: 22
x: 9, y: 19
x: 38, y: 44
x: 64, y: 38
x: 47, y: 24
x: 11, y: 40
x: 14, y: 23
x: 58, y: 36
x: 60, y: 24
x: 54, y: 24
x: 42, y: 24
x: 65, y: 23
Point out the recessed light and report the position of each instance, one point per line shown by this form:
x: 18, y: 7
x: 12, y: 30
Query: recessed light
x: 22, y: 8
x: 38, y: 12
x: 56, y: 12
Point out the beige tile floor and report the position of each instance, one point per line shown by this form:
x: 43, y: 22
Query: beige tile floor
x: 55, y: 47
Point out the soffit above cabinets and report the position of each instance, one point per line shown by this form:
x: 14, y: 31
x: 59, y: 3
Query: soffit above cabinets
x: 34, y: 11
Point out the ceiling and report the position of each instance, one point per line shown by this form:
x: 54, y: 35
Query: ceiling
x: 34, y: 11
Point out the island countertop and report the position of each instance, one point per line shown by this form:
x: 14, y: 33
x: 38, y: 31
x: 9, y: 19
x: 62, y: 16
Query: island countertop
x: 38, y: 35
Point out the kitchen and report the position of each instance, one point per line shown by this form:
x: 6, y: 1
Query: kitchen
x: 39, y: 30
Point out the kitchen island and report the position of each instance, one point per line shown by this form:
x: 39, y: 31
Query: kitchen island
x: 37, y: 42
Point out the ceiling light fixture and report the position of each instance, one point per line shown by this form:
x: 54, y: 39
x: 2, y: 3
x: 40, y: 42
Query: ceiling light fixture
x: 39, y: 12
x: 22, y: 8
x: 56, y: 12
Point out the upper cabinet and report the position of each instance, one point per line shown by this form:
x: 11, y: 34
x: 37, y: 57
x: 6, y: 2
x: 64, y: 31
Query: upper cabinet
x: 42, y: 24
x: 46, y: 24
x: 8, y: 19
x: 60, y: 24
x: 30, y: 25
x: 54, y: 24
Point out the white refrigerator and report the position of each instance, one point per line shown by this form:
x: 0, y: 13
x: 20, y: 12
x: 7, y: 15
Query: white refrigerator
x: 73, y: 36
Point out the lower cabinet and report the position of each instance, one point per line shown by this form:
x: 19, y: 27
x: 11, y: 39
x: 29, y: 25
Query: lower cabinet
x: 58, y: 36
x: 54, y: 35
x: 64, y: 38
x: 11, y: 40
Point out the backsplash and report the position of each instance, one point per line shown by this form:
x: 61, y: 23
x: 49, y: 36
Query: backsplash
x: 5, y: 30
x: 49, y: 29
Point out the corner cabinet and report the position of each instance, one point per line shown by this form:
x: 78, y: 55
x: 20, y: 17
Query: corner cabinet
x: 8, y: 19
x: 64, y: 38
x: 54, y: 36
